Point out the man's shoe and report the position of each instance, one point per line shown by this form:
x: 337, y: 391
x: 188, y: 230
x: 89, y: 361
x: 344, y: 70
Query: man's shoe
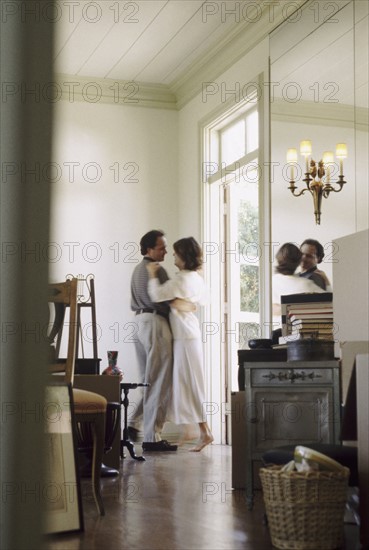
x: 133, y: 433
x: 158, y: 446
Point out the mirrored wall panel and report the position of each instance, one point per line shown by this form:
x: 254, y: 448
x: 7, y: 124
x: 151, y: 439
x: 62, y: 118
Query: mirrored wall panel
x: 319, y: 124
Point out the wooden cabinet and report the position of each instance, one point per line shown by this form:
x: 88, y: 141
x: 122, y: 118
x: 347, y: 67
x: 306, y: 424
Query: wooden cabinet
x: 287, y: 403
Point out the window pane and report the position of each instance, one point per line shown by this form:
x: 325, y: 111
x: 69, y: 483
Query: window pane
x: 248, y: 228
x: 249, y: 288
x: 233, y: 142
x: 252, y: 132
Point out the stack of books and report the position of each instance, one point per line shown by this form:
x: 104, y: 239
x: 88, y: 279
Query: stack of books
x: 314, y: 320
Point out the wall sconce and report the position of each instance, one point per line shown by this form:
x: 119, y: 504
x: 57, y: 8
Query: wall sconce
x: 317, y: 177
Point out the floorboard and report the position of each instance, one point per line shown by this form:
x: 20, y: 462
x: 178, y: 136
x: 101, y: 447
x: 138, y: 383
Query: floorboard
x: 173, y: 501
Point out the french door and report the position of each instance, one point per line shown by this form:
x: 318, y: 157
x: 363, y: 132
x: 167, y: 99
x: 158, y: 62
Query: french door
x: 236, y: 262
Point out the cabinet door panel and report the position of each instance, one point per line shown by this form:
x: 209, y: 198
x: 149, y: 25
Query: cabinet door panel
x: 291, y: 417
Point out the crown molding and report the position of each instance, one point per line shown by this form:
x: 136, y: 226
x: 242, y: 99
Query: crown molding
x: 118, y: 92
x: 324, y: 114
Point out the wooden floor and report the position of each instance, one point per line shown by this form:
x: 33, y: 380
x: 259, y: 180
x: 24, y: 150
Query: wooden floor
x: 174, y: 501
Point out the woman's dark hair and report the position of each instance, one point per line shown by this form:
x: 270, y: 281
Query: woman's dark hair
x: 319, y: 250
x: 149, y: 240
x: 190, y: 252
x: 288, y: 258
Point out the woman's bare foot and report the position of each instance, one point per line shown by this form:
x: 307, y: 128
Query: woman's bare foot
x: 203, y: 441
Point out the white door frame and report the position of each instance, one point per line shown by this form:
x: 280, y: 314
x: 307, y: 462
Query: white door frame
x: 218, y: 405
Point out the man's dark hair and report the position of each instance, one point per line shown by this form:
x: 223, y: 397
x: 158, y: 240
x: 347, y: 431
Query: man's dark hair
x: 149, y: 240
x: 319, y: 250
x: 288, y: 258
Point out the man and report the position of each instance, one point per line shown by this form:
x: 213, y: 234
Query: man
x: 312, y: 255
x: 153, y: 347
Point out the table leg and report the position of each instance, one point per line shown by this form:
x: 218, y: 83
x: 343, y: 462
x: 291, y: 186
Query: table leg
x: 125, y: 442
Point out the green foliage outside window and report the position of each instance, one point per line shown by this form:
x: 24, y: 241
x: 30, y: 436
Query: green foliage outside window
x: 249, y: 280
x: 248, y: 238
x: 248, y: 225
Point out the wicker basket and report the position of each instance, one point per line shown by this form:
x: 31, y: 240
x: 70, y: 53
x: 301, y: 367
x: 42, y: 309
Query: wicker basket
x: 305, y: 509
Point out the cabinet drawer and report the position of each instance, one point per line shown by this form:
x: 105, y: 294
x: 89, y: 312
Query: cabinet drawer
x: 292, y: 376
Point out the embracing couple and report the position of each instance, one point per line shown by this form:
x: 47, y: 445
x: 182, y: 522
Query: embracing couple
x: 168, y: 341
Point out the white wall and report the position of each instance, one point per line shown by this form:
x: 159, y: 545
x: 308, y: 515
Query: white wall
x: 106, y: 219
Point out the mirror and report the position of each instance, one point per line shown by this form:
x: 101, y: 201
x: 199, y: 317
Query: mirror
x: 319, y: 76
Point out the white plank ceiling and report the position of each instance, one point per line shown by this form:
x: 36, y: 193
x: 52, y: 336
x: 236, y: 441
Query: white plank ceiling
x: 150, y: 41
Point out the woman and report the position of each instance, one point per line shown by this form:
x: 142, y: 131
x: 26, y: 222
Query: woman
x: 285, y: 281
x: 188, y: 380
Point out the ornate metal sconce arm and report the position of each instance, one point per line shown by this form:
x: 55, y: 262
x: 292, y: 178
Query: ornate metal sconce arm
x: 293, y: 187
x: 328, y: 188
x: 293, y: 190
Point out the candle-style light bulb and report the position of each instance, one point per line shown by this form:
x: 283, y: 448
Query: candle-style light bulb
x: 305, y: 150
x: 328, y: 159
x: 291, y: 158
x: 341, y: 150
x: 341, y: 153
x: 292, y: 155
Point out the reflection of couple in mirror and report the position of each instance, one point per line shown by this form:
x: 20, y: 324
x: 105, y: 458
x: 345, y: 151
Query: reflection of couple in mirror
x: 310, y: 279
